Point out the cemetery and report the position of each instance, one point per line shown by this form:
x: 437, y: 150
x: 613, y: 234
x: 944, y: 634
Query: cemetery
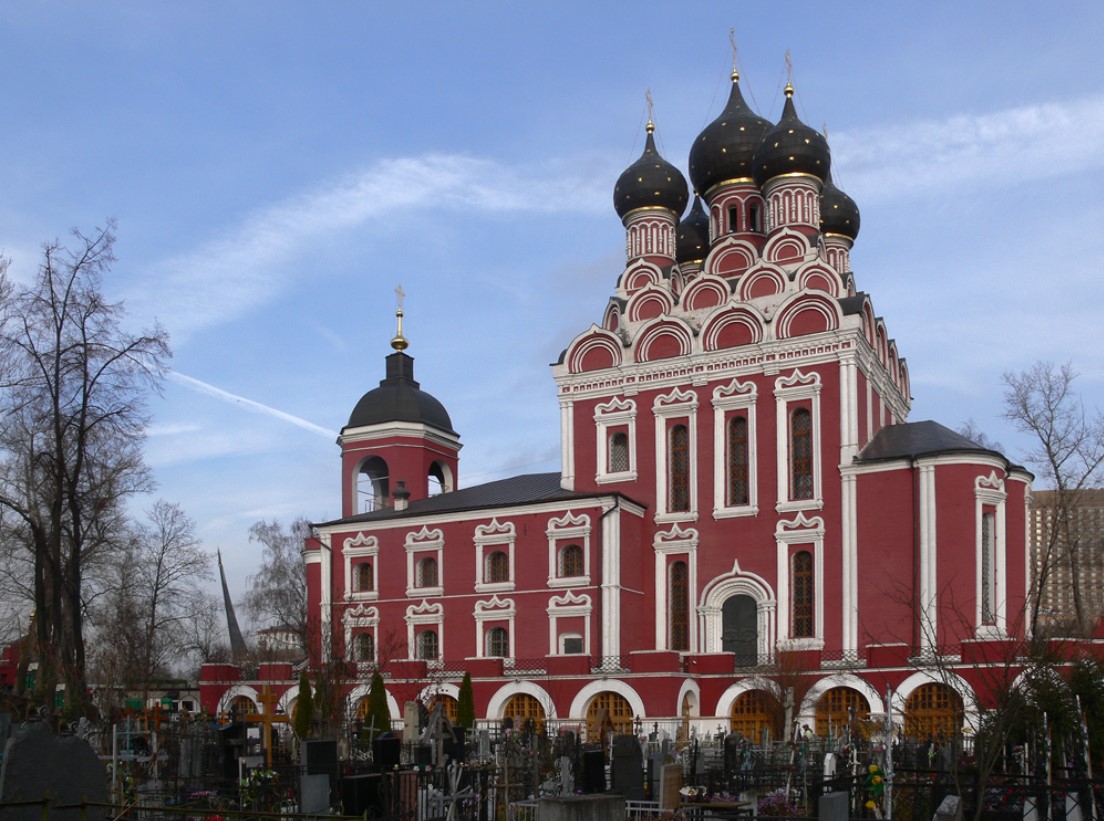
x: 155, y: 763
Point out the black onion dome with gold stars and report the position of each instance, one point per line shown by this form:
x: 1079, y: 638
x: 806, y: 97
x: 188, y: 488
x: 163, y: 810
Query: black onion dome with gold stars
x: 650, y: 182
x: 838, y: 212
x: 725, y: 149
x: 693, y: 234
x: 792, y: 147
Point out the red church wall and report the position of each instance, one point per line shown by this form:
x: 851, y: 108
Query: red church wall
x: 886, y: 536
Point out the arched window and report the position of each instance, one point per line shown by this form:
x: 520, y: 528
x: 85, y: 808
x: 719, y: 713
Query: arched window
x: 373, y: 485
x: 427, y: 645
x: 364, y: 580
x: 801, y: 454
x: 618, y: 452
x: 608, y: 712
x: 755, y: 217
x: 678, y: 468
x: 933, y: 709
x: 680, y: 607
x: 571, y: 561
x: 753, y: 711
x: 802, y: 581
x: 243, y: 706
x: 497, y: 567
x: 365, y: 647
x: 439, y: 481
x: 837, y: 708
x: 524, y: 709
x: 733, y: 219
x: 427, y: 573
x: 498, y: 643
x: 988, y: 568
x: 737, y: 461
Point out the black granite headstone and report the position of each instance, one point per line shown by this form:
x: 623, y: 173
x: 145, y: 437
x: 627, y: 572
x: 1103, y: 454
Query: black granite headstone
x: 627, y: 773
x: 594, y: 771
x: 387, y: 752
x: 362, y: 794
x: 36, y: 763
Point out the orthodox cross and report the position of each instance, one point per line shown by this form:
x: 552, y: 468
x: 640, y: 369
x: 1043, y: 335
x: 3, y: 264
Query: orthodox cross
x: 732, y: 43
x: 266, y: 719
x: 651, y: 104
x: 154, y: 718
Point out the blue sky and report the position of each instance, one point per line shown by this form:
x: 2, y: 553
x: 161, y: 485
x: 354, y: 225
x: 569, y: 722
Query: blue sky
x: 277, y: 168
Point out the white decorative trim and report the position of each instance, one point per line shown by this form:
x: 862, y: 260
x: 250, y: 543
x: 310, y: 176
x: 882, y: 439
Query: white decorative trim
x: 795, y: 388
x: 494, y: 535
x: 566, y: 606
x: 738, y: 583
x: 424, y: 541
x: 989, y: 492
x: 736, y: 395
x: 929, y: 612
x: 568, y: 529
x: 674, y: 542
x: 360, y: 546
x: 667, y: 407
x: 493, y: 609
x: 567, y: 444
x: 360, y: 617
x: 613, y: 414
x: 425, y: 614
x: 810, y: 533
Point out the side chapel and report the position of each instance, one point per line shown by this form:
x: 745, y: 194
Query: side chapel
x: 741, y: 493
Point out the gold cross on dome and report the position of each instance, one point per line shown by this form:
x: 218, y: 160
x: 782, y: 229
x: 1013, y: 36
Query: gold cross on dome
x: 400, y: 295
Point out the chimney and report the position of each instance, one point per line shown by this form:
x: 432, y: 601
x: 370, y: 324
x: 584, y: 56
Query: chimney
x: 402, y: 496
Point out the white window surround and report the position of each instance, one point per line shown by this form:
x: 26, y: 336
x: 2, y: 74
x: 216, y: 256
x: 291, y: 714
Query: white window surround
x: 358, y: 618
x: 727, y: 398
x: 565, y: 606
x: 360, y: 546
x: 675, y: 542
x: 562, y: 531
x: 669, y: 409
x: 989, y: 492
x: 493, y: 610
x: 808, y: 533
x: 425, y: 615
x: 488, y: 538
x: 797, y: 387
x: 614, y: 414
x: 417, y: 546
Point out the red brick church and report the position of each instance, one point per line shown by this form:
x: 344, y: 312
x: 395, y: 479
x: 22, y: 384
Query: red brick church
x: 742, y: 504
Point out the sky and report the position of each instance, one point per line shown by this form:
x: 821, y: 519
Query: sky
x: 277, y: 168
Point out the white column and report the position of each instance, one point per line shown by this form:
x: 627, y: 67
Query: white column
x: 611, y: 581
x: 567, y: 445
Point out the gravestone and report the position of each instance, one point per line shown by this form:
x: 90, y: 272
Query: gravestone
x: 362, y: 794
x: 37, y: 762
x: 387, y: 752
x: 484, y: 745
x: 411, y: 718
x: 627, y: 773
x: 833, y: 806
x: 670, y: 782
x: 314, y: 793
x: 581, y: 808
x: 949, y: 810
x: 594, y: 771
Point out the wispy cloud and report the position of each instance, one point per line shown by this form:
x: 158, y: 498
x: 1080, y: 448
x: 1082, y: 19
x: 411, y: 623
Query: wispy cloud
x: 1029, y: 142
x: 249, y: 404
x: 251, y: 262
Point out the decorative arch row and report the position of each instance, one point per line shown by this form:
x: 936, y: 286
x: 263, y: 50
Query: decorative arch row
x: 730, y: 326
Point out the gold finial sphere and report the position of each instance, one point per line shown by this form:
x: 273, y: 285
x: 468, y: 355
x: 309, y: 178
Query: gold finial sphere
x: 735, y: 76
x: 789, y: 89
x: 399, y: 342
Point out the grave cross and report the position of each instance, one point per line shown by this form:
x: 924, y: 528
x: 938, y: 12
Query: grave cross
x: 153, y: 717
x: 266, y: 719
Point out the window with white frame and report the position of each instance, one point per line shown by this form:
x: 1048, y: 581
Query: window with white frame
x: 991, y: 562
x: 575, y: 610
x: 360, y: 621
x: 676, y: 460
x: 615, y: 421
x: 360, y: 553
x: 490, y: 614
x: 676, y: 563
x: 494, y: 556
x: 571, y: 644
x: 735, y: 474
x: 800, y: 568
x: 425, y: 630
x: 799, y: 445
x: 365, y: 647
x: 423, y: 563
x: 428, y: 645
x: 569, y: 550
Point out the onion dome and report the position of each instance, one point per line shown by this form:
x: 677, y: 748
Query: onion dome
x: 838, y: 212
x: 726, y: 148
x: 792, y: 147
x: 399, y: 398
x: 650, y: 182
x: 693, y: 234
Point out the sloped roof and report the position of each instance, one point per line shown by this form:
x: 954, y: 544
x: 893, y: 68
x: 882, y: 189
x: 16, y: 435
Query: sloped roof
x: 913, y: 439
x: 526, y: 489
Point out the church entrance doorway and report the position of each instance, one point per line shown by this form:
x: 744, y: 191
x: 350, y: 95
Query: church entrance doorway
x: 740, y: 629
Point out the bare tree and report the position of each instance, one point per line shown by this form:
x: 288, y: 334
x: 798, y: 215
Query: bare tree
x: 72, y: 389
x: 277, y: 595
x: 971, y: 431
x: 1067, y: 455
